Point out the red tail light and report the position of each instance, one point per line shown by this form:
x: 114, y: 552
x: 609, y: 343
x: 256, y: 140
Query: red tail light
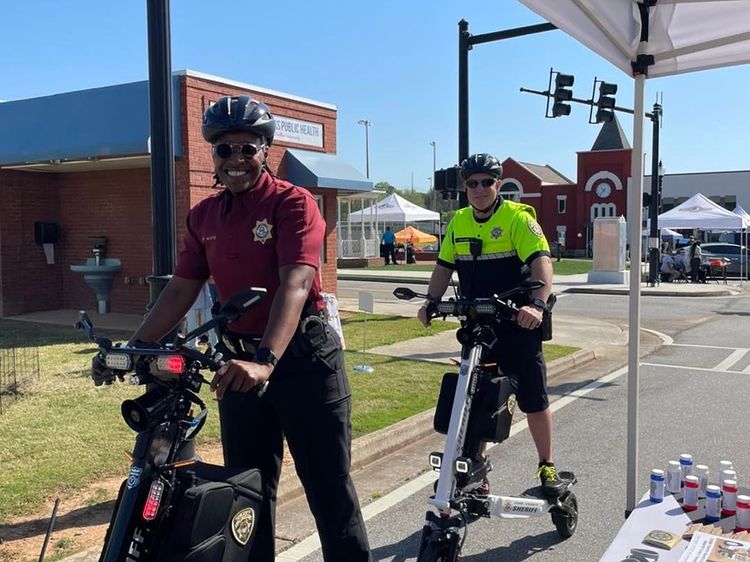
x: 171, y: 364
x: 151, y: 508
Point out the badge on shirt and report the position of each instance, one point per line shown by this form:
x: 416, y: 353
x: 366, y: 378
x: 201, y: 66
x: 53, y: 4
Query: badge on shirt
x: 497, y: 232
x: 262, y: 231
x: 535, y: 229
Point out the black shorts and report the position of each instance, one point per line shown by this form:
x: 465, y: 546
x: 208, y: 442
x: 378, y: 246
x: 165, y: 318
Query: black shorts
x: 518, y: 353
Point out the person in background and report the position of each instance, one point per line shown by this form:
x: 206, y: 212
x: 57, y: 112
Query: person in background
x: 696, y: 267
x: 668, y: 271
x: 389, y: 244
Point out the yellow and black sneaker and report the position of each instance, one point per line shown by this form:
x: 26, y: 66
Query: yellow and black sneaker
x: 551, y: 483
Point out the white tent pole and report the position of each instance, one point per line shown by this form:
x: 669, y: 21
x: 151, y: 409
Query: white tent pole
x: 634, y: 312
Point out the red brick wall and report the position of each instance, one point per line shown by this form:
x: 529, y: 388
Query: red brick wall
x: 115, y: 204
x: 27, y: 282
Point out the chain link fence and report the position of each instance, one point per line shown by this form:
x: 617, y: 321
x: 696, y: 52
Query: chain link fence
x: 19, y: 367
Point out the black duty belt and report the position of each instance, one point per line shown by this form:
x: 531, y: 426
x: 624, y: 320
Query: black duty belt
x: 239, y: 344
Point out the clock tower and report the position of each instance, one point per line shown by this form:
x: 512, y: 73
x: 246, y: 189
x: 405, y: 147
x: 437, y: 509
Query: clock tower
x: 603, y: 175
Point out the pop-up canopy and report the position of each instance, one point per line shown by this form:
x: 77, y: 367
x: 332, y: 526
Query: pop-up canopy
x: 646, y: 39
x: 395, y: 208
x: 416, y: 237
x: 701, y: 212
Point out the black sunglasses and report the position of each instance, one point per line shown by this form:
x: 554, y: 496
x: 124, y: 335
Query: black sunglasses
x: 486, y: 182
x: 225, y: 150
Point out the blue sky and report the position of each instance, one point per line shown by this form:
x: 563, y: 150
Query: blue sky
x: 393, y: 62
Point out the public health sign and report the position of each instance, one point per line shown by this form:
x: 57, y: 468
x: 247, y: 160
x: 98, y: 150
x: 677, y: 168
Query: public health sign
x: 300, y: 132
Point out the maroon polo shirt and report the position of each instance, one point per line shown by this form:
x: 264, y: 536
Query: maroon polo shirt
x: 242, y: 241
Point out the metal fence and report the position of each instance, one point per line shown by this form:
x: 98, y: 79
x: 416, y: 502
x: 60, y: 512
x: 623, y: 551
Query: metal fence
x: 19, y: 367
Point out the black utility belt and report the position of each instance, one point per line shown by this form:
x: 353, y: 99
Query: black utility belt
x: 311, y: 335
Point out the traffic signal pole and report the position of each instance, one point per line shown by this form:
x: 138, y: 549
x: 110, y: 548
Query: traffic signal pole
x: 653, y: 208
x: 465, y: 43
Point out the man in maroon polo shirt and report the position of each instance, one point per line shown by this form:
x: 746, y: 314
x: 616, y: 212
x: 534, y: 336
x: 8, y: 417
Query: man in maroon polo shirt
x: 264, y: 232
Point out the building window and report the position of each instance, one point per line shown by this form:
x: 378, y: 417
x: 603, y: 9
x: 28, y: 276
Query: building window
x: 599, y: 210
x: 510, y: 191
x: 562, y: 204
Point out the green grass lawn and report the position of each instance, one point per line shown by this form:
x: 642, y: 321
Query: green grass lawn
x: 64, y: 434
x: 563, y: 267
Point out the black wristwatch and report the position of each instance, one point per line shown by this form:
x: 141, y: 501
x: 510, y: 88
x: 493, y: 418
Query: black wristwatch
x: 265, y: 356
x: 536, y: 302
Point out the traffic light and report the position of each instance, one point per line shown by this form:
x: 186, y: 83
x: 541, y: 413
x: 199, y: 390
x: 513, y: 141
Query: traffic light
x: 448, y: 180
x: 562, y: 94
x: 646, y: 199
x: 606, y: 102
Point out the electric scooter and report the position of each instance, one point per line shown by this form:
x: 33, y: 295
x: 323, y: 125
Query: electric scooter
x: 173, y: 508
x: 476, y: 406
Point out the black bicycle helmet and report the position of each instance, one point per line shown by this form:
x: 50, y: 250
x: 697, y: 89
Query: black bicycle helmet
x: 481, y: 163
x: 238, y: 113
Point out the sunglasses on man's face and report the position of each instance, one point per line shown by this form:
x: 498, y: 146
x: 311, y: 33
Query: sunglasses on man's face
x: 486, y: 182
x: 225, y: 150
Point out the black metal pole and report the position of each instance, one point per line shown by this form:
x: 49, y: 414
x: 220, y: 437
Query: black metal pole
x: 653, y: 210
x: 463, y: 99
x: 162, y: 146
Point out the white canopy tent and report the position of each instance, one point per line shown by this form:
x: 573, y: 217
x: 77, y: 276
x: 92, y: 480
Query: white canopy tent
x: 701, y: 212
x: 395, y: 208
x: 670, y: 37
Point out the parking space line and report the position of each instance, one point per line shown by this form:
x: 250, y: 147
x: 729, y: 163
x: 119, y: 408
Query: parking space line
x: 688, y: 368
x: 704, y: 346
x: 733, y: 358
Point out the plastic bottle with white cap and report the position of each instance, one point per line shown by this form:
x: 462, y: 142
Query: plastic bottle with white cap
x: 690, y: 493
x: 713, y: 503
x: 742, y: 521
x: 686, y: 466
x: 656, y: 486
x: 729, y: 498
x: 701, y: 471
x: 673, y: 477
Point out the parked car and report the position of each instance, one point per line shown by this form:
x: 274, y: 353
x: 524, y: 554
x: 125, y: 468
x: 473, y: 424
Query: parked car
x: 730, y: 251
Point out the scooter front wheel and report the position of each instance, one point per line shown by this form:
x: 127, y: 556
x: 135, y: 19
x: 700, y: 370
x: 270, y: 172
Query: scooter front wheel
x: 439, y: 548
x: 566, y: 523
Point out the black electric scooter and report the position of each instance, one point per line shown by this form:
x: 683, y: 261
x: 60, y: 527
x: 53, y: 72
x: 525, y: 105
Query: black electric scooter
x: 476, y: 406
x: 172, y: 508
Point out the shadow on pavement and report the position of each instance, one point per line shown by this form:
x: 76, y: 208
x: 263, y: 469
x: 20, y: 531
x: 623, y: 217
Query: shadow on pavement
x: 521, y: 549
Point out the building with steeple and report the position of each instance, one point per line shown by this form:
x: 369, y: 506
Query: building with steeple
x: 566, y: 208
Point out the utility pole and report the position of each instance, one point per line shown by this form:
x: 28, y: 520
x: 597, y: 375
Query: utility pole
x: 465, y: 43
x: 653, y: 208
x: 366, y: 124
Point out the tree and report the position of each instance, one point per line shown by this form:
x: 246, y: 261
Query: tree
x: 384, y: 186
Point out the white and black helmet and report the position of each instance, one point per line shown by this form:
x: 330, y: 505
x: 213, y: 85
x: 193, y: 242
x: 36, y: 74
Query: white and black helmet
x: 238, y: 113
x: 481, y: 163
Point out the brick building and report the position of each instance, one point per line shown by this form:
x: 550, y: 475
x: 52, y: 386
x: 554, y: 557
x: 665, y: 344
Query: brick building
x: 565, y: 208
x: 80, y: 160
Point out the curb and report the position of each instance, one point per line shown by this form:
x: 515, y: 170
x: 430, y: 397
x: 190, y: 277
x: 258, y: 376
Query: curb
x: 389, y: 279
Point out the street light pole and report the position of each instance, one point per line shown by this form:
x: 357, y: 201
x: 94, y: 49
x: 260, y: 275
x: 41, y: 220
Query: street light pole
x: 367, y: 124
x: 653, y: 209
x: 433, y: 144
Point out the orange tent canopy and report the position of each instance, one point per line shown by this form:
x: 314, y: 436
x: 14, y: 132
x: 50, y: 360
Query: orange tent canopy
x: 411, y: 234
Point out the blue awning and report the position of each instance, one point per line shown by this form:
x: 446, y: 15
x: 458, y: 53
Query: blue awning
x: 98, y: 123
x: 319, y: 169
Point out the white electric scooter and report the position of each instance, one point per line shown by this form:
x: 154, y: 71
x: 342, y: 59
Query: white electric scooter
x: 460, y: 487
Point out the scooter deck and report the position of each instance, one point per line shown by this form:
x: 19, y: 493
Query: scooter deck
x: 538, y: 493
